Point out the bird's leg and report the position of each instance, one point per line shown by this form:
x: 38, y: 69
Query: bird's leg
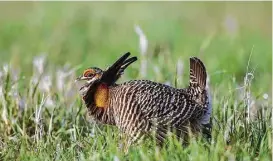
x: 122, y: 138
x: 126, y: 145
x: 130, y: 139
x: 132, y: 134
x: 124, y: 142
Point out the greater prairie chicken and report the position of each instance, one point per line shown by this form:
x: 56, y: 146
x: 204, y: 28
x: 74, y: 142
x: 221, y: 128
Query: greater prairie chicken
x: 140, y: 107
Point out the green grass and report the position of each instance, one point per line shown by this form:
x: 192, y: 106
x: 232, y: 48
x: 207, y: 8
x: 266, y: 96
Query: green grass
x: 77, y: 35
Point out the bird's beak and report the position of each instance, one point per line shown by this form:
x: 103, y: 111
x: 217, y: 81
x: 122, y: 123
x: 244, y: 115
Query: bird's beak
x: 79, y: 78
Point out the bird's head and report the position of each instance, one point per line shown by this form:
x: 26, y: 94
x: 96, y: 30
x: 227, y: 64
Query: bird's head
x: 93, y: 76
x: 89, y: 77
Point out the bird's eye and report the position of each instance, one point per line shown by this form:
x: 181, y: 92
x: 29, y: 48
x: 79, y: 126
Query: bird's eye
x: 88, y: 73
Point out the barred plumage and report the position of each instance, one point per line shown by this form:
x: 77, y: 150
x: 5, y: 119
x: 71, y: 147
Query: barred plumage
x: 139, y: 107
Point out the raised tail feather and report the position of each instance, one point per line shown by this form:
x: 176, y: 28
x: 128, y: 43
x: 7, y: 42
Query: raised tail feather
x: 198, y: 74
x: 198, y: 78
x: 113, y: 73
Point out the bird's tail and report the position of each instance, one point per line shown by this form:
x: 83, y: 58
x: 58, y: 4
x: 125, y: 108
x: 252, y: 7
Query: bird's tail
x: 198, y: 74
x: 198, y: 87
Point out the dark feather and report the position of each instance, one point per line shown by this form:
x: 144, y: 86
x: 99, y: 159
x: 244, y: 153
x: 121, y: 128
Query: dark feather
x: 113, y: 73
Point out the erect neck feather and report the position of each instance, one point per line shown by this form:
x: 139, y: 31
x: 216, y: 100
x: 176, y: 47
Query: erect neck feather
x: 101, y: 95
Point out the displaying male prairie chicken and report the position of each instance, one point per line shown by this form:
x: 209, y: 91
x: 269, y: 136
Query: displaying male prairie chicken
x: 140, y: 107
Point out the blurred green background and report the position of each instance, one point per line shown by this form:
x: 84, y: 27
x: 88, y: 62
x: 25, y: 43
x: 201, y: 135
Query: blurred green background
x: 222, y: 34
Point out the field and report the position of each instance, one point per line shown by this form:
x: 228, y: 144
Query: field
x: 44, y: 46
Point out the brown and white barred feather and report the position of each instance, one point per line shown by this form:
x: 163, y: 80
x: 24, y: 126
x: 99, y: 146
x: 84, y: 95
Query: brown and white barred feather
x: 140, y: 107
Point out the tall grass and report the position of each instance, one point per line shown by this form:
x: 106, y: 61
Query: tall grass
x: 46, y: 47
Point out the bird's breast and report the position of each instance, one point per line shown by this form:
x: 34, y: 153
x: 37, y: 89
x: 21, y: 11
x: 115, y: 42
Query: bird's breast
x: 101, y: 96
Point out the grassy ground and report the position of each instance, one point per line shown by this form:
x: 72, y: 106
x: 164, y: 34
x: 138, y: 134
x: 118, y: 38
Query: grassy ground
x: 44, y: 46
